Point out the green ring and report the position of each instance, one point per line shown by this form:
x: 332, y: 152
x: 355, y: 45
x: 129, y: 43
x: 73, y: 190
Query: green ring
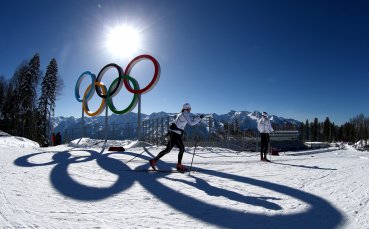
x: 133, y: 103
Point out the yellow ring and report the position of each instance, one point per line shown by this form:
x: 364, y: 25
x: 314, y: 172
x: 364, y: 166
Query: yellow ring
x: 102, y: 105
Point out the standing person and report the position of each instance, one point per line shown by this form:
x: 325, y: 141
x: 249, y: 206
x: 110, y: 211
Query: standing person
x: 264, y: 128
x: 175, y: 136
x: 57, y: 139
x: 53, y: 139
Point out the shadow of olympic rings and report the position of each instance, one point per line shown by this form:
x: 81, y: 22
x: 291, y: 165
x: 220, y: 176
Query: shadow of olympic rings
x: 320, y: 214
x: 67, y: 186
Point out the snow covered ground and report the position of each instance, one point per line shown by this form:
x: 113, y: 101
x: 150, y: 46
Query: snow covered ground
x: 84, y: 185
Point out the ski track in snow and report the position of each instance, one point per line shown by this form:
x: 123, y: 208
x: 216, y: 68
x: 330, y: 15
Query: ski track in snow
x: 74, y: 187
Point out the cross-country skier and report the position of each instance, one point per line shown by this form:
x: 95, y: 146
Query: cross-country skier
x: 264, y: 128
x: 175, y: 136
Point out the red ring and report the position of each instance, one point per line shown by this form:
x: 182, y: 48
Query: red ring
x: 154, y: 79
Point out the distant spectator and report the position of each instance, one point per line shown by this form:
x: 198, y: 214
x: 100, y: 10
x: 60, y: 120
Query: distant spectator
x: 53, y: 138
x: 58, y: 139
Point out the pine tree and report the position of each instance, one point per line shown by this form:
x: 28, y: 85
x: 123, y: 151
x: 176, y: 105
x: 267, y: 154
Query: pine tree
x: 47, y: 99
x: 26, y: 91
x: 29, y: 106
x: 24, y: 83
x: 349, y: 132
x: 315, y: 129
x: 366, y: 133
x: 12, y: 103
x: 2, y: 94
x: 10, y: 110
x: 327, y: 130
x: 308, y: 135
x: 334, y: 132
x: 302, y: 132
x: 33, y: 74
x: 3, y: 89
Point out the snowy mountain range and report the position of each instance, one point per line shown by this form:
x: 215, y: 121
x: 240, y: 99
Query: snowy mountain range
x: 245, y: 119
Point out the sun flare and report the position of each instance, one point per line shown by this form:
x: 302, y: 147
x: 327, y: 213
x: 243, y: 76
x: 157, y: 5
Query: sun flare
x: 123, y: 41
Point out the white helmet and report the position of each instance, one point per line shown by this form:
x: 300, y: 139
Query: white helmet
x: 186, y: 106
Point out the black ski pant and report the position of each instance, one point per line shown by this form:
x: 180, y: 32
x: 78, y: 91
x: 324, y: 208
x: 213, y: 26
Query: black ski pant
x: 174, y: 140
x: 264, y: 145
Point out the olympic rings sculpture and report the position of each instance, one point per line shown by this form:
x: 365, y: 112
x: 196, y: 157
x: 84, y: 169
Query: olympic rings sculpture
x: 107, y: 94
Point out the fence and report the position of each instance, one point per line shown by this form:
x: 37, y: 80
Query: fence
x: 208, y: 132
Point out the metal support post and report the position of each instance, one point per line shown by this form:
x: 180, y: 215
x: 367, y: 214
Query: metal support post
x: 106, y: 122
x: 82, y: 124
x: 139, y: 118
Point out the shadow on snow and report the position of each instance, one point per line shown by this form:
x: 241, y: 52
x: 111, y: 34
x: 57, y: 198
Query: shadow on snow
x: 320, y: 214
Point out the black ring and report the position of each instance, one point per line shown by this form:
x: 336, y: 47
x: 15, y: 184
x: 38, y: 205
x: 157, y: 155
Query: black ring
x: 102, y: 72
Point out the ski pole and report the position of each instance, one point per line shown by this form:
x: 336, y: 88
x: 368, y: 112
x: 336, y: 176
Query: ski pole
x: 193, y: 155
x: 270, y: 149
x: 270, y: 146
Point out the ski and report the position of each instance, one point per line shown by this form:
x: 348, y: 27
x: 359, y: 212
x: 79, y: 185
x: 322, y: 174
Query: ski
x: 154, y: 171
x: 161, y: 171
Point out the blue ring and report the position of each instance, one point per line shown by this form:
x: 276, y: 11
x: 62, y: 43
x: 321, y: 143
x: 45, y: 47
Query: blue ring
x: 78, y: 84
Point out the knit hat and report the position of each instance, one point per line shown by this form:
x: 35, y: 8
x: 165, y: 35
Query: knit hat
x: 265, y: 114
x: 186, y: 106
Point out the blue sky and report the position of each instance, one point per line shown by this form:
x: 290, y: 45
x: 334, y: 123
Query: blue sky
x: 295, y: 59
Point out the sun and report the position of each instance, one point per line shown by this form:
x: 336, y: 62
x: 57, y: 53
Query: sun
x: 123, y: 41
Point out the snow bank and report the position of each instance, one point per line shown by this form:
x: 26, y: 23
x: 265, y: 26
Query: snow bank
x: 8, y: 141
x: 2, y: 133
x: 361, y: 145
